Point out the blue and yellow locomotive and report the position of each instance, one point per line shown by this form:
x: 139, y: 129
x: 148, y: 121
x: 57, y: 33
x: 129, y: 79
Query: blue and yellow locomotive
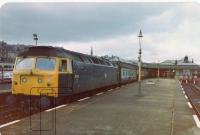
x: 56, y: 72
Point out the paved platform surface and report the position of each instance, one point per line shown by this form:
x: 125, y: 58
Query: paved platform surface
x: 161, y: 109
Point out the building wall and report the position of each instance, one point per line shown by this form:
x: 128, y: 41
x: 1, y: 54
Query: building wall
x: 9, y: 52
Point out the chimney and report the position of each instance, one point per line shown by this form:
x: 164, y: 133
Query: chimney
x: 91, y: 53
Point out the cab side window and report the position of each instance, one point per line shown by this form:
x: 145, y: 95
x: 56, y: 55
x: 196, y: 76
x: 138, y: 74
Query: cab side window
x: 63, y: 66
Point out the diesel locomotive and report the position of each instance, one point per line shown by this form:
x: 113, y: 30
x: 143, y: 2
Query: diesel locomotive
x: 52, y: 72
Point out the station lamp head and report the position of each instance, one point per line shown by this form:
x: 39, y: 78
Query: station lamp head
x: 35, y: 36
x: 140, y: 34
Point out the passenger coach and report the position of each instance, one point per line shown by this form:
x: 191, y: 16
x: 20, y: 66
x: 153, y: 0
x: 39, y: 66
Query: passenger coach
x: 127, y: 71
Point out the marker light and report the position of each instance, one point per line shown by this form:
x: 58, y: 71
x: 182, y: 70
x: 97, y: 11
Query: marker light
x: 39, y: 80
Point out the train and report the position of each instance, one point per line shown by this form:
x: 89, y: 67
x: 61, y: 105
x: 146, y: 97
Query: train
x: 44, y: 72
x: 6, y: 71
x: 6, y: 66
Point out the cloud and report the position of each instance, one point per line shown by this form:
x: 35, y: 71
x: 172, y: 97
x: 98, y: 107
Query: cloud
x: 112, y: 46
x: 171, y: 31
x: 71, y: 21
x: 182, y: 39
x: 122, y: 46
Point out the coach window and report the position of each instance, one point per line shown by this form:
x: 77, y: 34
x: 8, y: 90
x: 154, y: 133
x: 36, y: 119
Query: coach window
x: 76, y: 57
x: 85, y: 59
x: 107, y: 63
x: 95, y: 60
x: 101, y: 62
x: 110, y: 64
x: 89, y: 59
x: 63, y: 66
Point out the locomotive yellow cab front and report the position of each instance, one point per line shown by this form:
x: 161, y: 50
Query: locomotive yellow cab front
x: 35, y: 76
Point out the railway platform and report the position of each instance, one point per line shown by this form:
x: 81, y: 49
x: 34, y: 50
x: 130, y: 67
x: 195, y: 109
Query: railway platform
x: 160, y: 108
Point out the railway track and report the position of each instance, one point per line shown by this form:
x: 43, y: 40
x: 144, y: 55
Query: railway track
x: 3, y: 97
x: 9, y: 113
x: 13, y: 112
x: 193, y: 94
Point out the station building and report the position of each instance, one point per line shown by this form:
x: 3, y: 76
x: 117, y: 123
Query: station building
x: 184, y: 67
x: 176, y: 68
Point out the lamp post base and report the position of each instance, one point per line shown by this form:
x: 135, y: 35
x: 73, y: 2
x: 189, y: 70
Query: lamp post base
x: 139, y: 89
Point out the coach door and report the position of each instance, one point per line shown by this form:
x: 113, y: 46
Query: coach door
x: 64, y: 77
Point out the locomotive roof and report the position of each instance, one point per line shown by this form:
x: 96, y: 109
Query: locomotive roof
x: 46, y: 51
x: 50, y: 51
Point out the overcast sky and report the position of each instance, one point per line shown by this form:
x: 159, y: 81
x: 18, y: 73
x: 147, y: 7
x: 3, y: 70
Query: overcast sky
x: 171, y: 30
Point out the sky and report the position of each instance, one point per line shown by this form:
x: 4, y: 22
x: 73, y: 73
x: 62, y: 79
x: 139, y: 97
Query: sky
x: 170, y: 30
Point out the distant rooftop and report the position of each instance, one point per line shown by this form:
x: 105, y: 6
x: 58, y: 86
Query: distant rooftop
x: 184, y: 61
x: 116, y: 58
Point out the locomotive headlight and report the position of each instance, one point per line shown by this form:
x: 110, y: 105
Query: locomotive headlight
x: 24, y: 80
x: 40, y: 80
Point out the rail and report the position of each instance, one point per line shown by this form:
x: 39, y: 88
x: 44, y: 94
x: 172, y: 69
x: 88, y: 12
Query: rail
x: 193, y: 95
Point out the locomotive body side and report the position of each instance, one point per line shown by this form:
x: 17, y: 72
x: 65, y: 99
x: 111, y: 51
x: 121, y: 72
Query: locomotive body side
x: 93, y: 76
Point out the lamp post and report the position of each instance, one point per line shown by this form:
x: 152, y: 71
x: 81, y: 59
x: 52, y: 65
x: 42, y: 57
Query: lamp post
x: 35, y: 37
x: 158, y: 72
x: 139, y: 61
x: 140, y: 56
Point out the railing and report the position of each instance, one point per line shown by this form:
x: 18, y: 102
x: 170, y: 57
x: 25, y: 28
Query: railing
x: 5, y: 75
